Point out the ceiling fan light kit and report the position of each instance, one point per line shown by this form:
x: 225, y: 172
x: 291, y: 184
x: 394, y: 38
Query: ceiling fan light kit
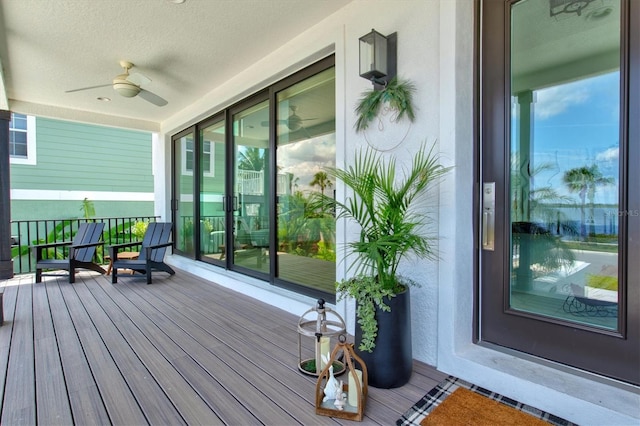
x: 124, y: 88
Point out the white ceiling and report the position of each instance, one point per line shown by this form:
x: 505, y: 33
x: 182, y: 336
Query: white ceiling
x: 50, y: 46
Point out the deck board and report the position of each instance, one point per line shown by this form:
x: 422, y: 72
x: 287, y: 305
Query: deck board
x: 118, y: 399
x: 180, y: 351
x: 52, y: 401
x: 86, y: 403
x: 156, y: 406
x: 9, y: 300
x: 225, y: 365
x: 20, y: 382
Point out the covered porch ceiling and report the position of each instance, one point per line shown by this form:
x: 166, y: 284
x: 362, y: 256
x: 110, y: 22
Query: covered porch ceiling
x: 48, y: 48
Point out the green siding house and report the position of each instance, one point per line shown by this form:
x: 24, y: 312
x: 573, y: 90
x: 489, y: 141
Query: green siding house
x: 56, y: 164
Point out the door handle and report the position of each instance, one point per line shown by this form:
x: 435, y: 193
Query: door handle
x: 488, y: 216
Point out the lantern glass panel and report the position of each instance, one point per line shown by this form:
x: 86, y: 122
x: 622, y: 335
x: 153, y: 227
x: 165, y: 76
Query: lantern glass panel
x: 373, y: 55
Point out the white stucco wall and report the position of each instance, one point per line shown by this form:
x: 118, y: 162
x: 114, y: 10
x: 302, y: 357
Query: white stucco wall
x: 435, y: 51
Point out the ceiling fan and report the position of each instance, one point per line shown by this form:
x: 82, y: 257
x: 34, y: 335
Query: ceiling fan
x: 129, y: 85
x: 293, y: 122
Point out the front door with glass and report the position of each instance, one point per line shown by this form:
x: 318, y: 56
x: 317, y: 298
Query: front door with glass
x: 557, y: 206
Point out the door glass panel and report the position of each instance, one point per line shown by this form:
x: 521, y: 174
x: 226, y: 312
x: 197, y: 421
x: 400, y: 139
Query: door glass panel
x: 212, y: 183
x: 251, y: 188
x: 184, y: 167
x: 565, y: 133
x: 306, y: 147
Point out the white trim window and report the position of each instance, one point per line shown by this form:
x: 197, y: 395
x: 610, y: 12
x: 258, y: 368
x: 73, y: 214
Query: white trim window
x: 188, y: 158
x: 22, y: 139
x: 207, y: 158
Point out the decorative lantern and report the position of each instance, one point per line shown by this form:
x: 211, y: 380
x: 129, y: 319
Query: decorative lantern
x: 378, y: 57
x: 339, y: 399
x: 326, y: 324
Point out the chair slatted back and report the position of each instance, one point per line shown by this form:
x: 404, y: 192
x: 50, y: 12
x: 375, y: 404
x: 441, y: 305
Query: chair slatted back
x: 87, y: 233
x: 156, y: 233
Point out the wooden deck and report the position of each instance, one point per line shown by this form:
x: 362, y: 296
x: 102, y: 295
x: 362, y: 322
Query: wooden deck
x: 180, y: 351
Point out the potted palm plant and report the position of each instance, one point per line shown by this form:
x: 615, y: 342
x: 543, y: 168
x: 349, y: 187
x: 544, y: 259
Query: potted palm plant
x: 392, y: 227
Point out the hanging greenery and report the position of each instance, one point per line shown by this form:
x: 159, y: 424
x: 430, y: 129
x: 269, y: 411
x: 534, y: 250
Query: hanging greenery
x: 398, y: 94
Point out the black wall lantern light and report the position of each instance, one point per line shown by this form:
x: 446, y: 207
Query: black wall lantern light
x: 378, y: 58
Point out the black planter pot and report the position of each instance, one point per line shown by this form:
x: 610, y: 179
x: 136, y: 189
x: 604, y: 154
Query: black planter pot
x: 391, y: 362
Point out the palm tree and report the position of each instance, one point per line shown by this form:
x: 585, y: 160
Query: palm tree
x: 88, y: 208
x: 322, y: 180
x: 251, y: 159
x: 585, y: 180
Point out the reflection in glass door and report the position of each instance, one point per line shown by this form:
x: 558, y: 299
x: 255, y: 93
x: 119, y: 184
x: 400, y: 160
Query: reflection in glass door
x: 565, y: 172
x: 250, y: 200
x: 212, y: 191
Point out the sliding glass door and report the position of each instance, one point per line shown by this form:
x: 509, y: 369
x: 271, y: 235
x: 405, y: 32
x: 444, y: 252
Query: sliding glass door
x: 246, y: 181
x: 305, y: 140
x: 184, y: 164
x: 250, y: 201
x: 212, y: 190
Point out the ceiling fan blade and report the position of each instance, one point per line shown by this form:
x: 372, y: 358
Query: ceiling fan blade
x: 87, y: 88
x: 152, y: 97
x: 138, y: 79
x: 266, y: 123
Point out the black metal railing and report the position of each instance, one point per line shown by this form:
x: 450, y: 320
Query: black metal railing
x: 26, y: 233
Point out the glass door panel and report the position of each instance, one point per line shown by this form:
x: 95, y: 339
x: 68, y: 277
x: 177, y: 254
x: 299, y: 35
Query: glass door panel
x: 565, y: 167
x: 306, y: 147
x: 184, y: 162
x: 250, y: 200
x: 212, y: 191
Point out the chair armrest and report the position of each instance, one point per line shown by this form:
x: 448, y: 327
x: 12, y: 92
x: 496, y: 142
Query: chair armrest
x: 149, y: 249
x: 50, y: 245
x: 157, y: 246
x: 36, y: 250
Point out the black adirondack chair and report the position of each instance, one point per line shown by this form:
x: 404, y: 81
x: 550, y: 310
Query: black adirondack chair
x: 153, y: 248
x: 81, y: 252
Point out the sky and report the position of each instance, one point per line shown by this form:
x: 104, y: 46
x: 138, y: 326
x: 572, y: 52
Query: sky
x: 577, y: 124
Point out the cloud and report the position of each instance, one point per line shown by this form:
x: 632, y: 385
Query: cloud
x: 556, y: 100
x: 305, y: 158
x: 611, y: 154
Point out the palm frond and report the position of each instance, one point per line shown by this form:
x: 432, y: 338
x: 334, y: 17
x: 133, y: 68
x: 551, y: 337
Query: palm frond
x: 398, y: 94
x: 381, y: 203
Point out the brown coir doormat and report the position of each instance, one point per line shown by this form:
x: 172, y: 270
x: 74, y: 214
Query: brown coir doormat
x: 456, y: 402
x: 465, y: 407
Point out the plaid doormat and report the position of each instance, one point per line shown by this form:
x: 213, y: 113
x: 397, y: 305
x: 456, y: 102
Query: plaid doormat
x: 430, y: 401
